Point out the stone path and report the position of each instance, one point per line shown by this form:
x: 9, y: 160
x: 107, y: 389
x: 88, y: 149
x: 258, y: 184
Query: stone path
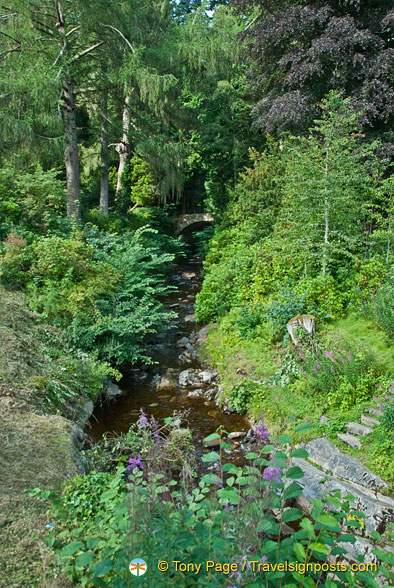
x: 356, y: 431
x: 328, y: 469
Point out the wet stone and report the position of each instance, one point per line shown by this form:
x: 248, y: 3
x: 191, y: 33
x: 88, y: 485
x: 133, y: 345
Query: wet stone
x: 195, y: 393
x: 236, y: 435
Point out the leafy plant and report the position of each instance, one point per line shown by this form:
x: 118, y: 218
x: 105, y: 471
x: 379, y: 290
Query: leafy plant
x: 137, y: 508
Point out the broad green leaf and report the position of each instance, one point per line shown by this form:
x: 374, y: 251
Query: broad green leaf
x: 291, y: 514
x: 84, y: 559
x: 72, y: 548
x: 319, y: 547
x: 295, y: 473
x: 212, y: 456
x: 299, y: 551
x: 299, y: 452
x: 303, y: 428
x: 293, y: 490
x: 103, y: 567
x: 212, y: 437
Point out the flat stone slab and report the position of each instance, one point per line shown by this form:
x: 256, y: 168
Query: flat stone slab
x: 350, y: 440
x: 357, y: 429
x: 378, y: 509
x: 369, y: 421
x: 323, y: 453
x: 375, y: 411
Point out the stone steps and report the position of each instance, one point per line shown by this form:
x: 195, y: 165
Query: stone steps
x: 327, y: 470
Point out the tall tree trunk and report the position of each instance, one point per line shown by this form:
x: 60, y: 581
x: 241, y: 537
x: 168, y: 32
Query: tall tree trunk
x: 70, y: 128
x: 104, y: 188
x: 71, y: 151
x: 123, y: 148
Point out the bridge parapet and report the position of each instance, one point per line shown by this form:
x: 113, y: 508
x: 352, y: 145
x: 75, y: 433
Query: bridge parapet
x: 186, y: 220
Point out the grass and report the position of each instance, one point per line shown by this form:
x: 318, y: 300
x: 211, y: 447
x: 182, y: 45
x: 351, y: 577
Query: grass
x: 36, y: 447
x: 36, y: 451
x: 239, y: 360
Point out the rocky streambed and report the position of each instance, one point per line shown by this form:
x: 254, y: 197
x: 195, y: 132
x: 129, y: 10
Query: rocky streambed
x: 176, y: 381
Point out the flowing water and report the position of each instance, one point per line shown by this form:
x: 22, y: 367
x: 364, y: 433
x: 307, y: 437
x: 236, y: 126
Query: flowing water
x: 139, y: 383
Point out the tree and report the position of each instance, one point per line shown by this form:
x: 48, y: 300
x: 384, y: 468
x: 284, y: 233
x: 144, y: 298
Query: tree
x: 299, y: 51
x: 329, y: 178
x: 59, y: 37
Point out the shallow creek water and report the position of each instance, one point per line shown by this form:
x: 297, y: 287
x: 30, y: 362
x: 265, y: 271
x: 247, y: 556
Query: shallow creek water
x: 139, y: 383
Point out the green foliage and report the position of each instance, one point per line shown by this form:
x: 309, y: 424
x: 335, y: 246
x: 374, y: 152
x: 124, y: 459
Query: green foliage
x: 39, y: 366
x: 33, y: 200
x: 97, y: 533
x: 239, y: 395
x: 383, y: 310
x: 323, y: 297
x: 343, y: 374
x: 280, y: 311
x: 141, y: 181
x: 16, y: 261
x: 103, y: 289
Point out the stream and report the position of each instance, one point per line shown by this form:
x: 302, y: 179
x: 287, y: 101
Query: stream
x: 158, y: 389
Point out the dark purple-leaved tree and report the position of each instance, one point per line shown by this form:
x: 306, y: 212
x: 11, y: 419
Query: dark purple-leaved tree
x: 299, y: 51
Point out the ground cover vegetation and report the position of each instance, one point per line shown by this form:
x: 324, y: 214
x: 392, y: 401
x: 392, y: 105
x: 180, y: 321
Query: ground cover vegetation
x: 277, y: 118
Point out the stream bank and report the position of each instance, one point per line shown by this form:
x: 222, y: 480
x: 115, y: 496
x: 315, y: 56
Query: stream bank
x: 175, y: 381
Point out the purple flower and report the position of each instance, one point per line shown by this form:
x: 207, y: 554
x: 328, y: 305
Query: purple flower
x: 272, y: 474
x: 135, y: 462
x: 260, y: 434
x: 264, y: 558
x: 318, y: 366
x: 303, y: 373
x: 143, y: 420
x: 314, y: 370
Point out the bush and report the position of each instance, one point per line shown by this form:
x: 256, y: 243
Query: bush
x: 280, y: 311
x: 34, y: 200
x: 322, y: 295
x: 16, y: 261
x: 383, y: 309
x: 233, y: 515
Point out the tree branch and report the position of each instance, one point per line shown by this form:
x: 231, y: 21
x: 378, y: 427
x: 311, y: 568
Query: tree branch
x: 88, y: 50
x: 73, y: 30
x: 119, y: 33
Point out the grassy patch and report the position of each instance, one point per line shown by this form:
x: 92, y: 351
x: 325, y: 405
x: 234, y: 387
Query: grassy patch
x: 239, y: 361
x: 36, y: 451
x: 37, y: 376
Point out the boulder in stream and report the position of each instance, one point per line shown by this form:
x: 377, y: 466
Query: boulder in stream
x: 111, y: 391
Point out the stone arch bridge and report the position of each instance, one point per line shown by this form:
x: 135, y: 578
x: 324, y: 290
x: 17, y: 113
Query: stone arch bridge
x: 191, y: 221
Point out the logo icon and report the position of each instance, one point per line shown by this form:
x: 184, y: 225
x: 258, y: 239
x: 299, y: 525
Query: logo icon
x: 137, y: 567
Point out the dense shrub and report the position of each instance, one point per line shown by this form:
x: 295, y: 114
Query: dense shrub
x: 342, y: 374
x: 33, y: 200
x: 280, y: 311
x: 15, y: 261
x: 383, y: 309
x: 103, y: 289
